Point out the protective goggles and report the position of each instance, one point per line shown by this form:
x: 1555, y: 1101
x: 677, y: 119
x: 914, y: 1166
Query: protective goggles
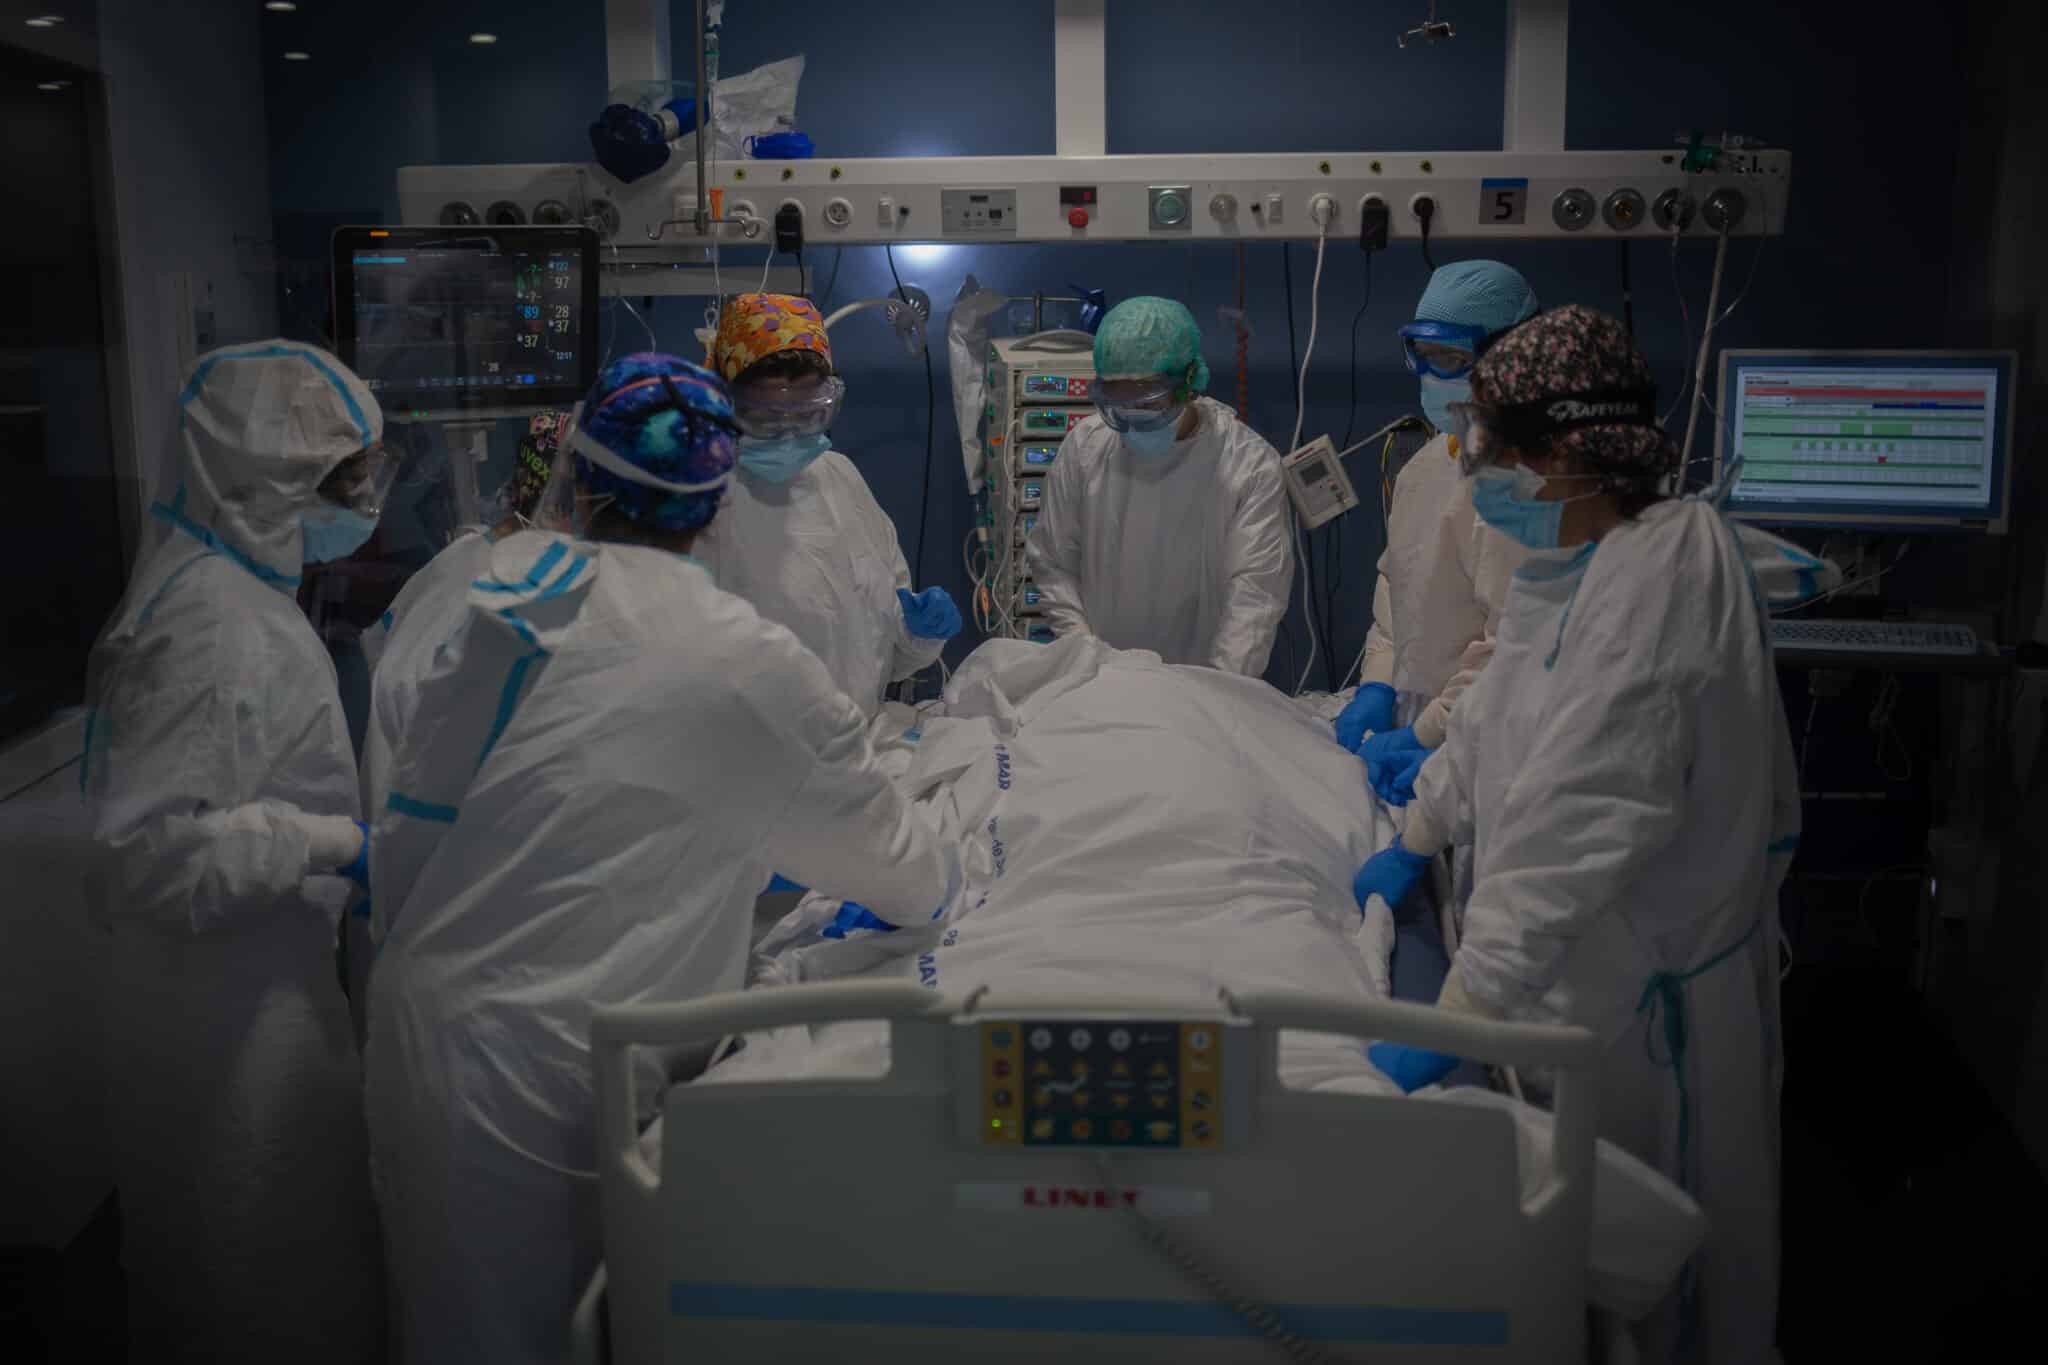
x: 1488, y: 432
x: 1139, y: 405
x: 768, y: 413
x: 1447, y: 350
x: 363, y: 481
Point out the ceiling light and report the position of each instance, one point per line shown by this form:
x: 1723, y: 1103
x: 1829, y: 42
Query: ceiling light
x: 483, y: 39
x: 279, y: 6
x: 45, y: 21
x: 298, y: 56
x: 54, y: 86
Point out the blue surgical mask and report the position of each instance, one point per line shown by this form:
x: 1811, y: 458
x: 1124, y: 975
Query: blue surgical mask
x: 335, y: 532
x: 1438, y: 395
x: 779, y: 459
x: 1151, y: 444
x: 1506, y: 500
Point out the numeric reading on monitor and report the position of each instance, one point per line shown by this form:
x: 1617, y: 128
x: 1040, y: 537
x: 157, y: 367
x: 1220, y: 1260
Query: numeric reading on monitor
x: 475, y: 317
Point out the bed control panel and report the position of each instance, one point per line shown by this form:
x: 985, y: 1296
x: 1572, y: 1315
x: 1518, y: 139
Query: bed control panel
x: 1146, y: 1084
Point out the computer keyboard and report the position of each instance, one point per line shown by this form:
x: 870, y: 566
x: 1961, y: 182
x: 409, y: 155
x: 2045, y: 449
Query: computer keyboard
x: 1873, y: 637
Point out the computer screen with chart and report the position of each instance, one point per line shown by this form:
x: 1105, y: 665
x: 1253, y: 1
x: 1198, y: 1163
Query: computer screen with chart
x: 1909, y: 440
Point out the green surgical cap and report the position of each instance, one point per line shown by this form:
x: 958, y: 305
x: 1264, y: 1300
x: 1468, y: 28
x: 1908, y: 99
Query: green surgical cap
x: 1146, y: 338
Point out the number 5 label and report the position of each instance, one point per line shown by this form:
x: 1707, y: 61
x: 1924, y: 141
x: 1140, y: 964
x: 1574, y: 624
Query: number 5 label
x: 1501, y: 202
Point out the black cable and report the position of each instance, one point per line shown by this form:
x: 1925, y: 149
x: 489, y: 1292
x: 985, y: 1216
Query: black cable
x: 924, y: 502
x: 1628, y: 296
x: 1426, y: 210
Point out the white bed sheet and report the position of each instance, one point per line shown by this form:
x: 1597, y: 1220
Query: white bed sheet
x: 1130, y: 826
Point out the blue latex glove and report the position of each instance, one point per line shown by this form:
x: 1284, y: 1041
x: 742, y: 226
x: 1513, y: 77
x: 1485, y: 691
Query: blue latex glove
x: 853, y: 916
x: 1411, y: 1068
x: 1389, y: 874
x: 1370, y: 710
x: 1394, y: 780
x: 1392, y: 759
x: 929, y: 615
x: 778, y: 882
x: 358, y: 871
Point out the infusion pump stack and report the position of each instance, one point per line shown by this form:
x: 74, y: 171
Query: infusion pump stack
x: 1038, y: 390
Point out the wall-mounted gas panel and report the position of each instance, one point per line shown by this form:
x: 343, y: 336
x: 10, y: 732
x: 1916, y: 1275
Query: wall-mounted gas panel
x: 1468, y: 196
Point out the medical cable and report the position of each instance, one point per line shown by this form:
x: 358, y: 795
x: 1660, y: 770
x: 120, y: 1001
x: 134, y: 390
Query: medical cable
x: 1255, y: 1314
x: 1425, y: 209
x: 1705, y: 350
x: 832, y: 280
x: 1685, y: 328
x: 924, y: 502
x: 1315, y: 290
x: 1852, y: 583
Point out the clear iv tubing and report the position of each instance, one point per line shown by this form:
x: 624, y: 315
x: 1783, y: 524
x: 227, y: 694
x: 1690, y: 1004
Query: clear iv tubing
x: 1315, y: 290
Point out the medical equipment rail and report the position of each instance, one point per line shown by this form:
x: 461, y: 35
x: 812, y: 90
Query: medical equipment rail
x: 842, y: 1218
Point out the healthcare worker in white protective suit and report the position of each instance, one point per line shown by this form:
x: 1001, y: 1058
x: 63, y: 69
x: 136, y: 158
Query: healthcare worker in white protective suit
x: 799, y: 535
x: 607, y: 757
x: 1624, y: 768
x: 1164, y: 520
x: 1444, y: 573
x: 224, y: 796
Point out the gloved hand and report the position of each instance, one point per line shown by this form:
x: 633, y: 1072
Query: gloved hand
x: 1370, y: 711
x: 1389, y: 874
x: 777, y: 883
x: 853, y: 916
x: 1411, y: 1068
x: 1392, y: 760
x: 357, y: 869
x: 929, y: 615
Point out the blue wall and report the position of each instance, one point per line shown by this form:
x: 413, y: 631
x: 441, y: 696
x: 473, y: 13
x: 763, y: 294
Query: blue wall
x: 1860, y: 104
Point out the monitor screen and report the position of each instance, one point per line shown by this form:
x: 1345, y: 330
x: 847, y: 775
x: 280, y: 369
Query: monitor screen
x: 1867, y: 439
x: 441, y: 323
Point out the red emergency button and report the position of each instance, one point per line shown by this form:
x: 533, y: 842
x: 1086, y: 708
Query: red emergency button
x: 1077, y: 217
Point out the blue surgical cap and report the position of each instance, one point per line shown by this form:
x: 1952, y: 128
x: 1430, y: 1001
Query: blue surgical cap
x: 1482, y: 294
x: 1146, y: 338
x: 632, y: 411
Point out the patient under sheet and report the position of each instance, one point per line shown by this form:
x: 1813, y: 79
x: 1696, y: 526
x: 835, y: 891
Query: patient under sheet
x: 1163, y: 832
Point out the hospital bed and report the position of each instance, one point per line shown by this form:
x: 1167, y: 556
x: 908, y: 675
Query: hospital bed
x: 936, y: 1212
x: 1154, y: 851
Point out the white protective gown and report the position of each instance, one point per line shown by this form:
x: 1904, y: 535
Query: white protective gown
x: 1625, y: 766
x: 818, y: 556
x: 607, y: 757
x: 1442, y: 580
x: 1185, y: 554
x: 400, y: 648
x: 215, y: 746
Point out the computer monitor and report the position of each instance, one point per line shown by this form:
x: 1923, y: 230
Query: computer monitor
x: 468, y: 323
x: 1868, y: 440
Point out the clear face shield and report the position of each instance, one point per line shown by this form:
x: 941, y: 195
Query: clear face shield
x: 564, y: 507
x: 362, y: 482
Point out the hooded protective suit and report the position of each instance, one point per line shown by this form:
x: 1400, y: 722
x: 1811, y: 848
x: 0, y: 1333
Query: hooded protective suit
x: 608, y: 757
x: 224, y: 794
x: 1624, y: 769
x: 1185, y: 554
x: 818, y: 556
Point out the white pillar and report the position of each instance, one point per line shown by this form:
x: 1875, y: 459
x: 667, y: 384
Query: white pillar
x: 1078, y: 82
x: 1533, y: 112
x: 636, y: 41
